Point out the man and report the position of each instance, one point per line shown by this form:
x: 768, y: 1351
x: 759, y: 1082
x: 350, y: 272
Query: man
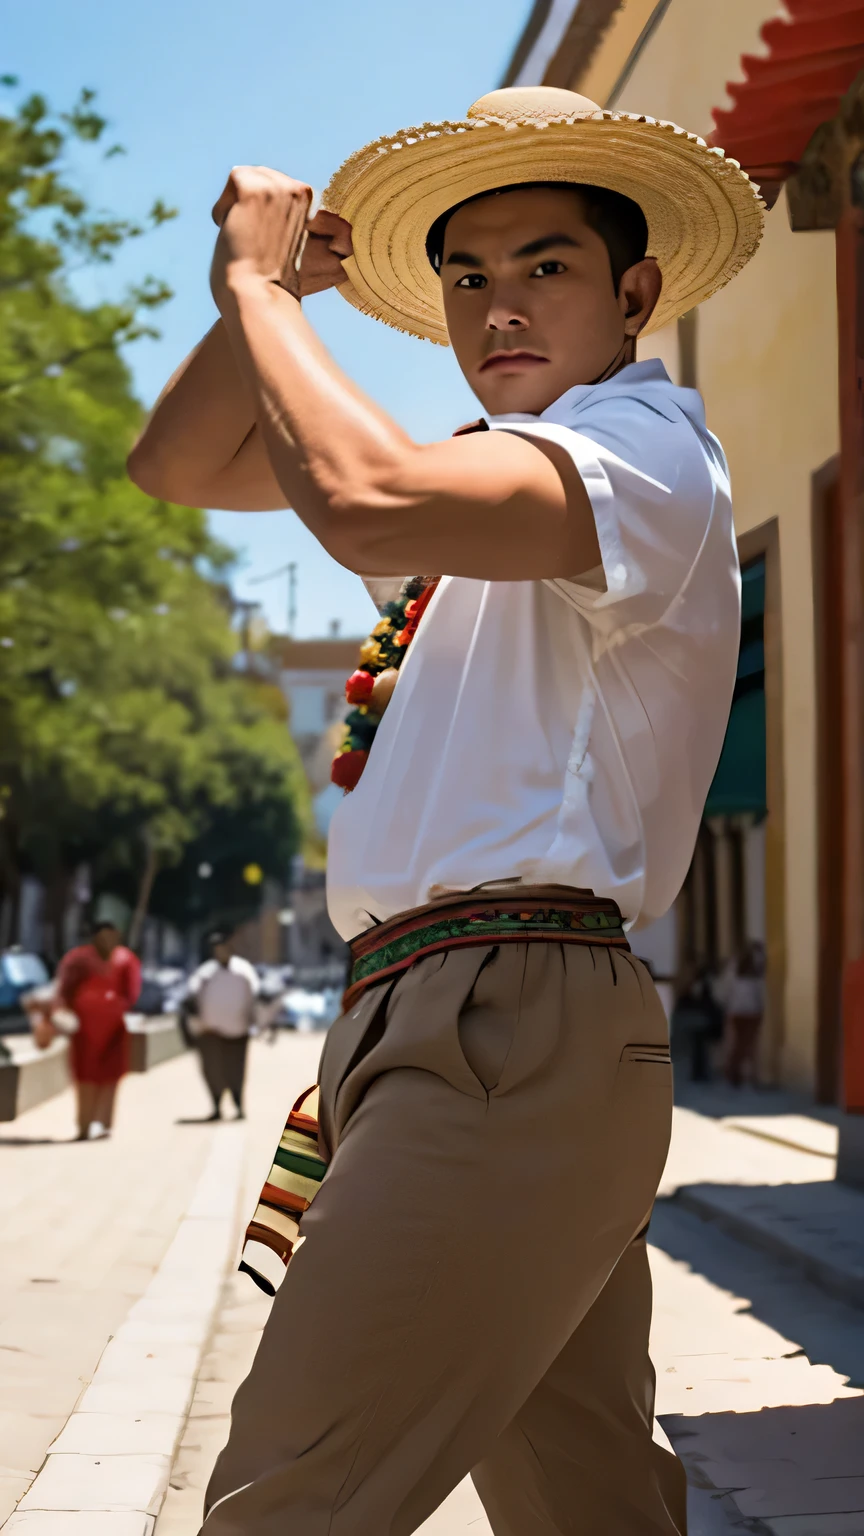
x: 222, y: 995
x: 473, y: 1291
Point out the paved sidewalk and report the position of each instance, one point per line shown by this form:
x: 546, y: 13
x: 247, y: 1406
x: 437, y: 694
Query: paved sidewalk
x: 86, y: 1227
x: 244, y: 1307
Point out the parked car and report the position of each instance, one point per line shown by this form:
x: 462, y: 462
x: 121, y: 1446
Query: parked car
x: 20, y: 972
x: 308, y: 1010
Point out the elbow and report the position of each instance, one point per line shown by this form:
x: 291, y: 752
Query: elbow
x: 157, y: 476
x: 145, y: 471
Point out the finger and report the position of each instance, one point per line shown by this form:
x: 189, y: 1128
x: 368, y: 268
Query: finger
x: 336, y: 230
x: 243, y: 180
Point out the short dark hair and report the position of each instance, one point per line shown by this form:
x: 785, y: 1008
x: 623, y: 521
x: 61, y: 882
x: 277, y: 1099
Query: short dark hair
x: 216, y: 937
x: 618, y: 221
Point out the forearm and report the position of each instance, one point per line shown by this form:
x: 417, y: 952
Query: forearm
x: 331, y: 448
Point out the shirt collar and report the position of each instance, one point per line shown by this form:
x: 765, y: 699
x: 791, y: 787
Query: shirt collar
x: 647, y: 381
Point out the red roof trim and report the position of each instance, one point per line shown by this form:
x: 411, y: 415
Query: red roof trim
x: 812, y: 59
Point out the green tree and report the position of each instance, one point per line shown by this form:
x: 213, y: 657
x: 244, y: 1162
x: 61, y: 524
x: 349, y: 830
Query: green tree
x: 126, y: 733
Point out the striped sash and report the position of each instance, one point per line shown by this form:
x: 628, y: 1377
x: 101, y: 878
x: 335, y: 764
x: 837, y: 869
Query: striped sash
x: 289, y: 1190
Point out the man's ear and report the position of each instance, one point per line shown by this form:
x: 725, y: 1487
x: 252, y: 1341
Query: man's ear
x: 638, y: 293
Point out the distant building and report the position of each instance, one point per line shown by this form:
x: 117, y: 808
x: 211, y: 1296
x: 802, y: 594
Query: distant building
x: 312, y: 676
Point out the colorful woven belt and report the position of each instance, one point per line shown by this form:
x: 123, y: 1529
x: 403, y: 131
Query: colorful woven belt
x: 552, y: 915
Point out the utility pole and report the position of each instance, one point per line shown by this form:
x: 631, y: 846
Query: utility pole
x: 291, y: 571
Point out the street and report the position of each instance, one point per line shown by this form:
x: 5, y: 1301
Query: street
x: 760, y: 1372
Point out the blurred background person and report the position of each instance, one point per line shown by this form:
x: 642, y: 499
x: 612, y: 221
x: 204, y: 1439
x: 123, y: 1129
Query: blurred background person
x: 744, y: 1000
x: 220, y: 1009
x: 98, y: 982
x: 698, y: 1022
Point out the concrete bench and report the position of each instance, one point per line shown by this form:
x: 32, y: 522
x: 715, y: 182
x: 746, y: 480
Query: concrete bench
x: 31, y: 1076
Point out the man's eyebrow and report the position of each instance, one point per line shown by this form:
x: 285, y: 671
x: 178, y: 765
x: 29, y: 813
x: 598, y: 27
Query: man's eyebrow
x: 462, y: 259
x: 535, y: 247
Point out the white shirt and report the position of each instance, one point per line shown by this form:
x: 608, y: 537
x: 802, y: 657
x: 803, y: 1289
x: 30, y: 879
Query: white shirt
x: 226, y: 995
x: 564, y: 731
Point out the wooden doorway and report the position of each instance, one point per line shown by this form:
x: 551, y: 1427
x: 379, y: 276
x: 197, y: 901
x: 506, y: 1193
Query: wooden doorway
x: 764, y: 543
x: 828, y: 562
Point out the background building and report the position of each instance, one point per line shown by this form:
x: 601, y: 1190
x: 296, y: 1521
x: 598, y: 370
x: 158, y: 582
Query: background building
x: 781, y: 853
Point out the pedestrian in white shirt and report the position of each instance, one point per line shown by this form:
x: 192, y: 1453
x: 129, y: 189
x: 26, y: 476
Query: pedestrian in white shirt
x: 222, y: 995
x: 473, y: 1291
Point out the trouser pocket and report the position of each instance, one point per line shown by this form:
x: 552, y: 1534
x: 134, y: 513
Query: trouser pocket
x: 647, y: 1055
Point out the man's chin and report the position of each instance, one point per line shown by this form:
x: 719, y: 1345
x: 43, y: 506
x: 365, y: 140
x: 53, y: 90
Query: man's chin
x: 528, y: 396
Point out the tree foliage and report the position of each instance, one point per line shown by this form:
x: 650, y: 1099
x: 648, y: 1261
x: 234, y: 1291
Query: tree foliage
x: 127, y: 736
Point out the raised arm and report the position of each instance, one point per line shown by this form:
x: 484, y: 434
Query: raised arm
x: 201, y: 446
x: 490, y: 505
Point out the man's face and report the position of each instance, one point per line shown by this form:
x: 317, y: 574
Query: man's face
x: 222, y: 953
x: 105, y: 941
x: 529, y: 299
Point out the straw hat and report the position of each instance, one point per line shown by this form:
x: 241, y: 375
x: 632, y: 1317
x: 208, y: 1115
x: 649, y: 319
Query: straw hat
x: 704, y: 214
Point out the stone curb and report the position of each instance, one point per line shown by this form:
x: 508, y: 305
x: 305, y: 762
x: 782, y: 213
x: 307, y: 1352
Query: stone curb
x: 818, y: 1227
x: 107, y: 1472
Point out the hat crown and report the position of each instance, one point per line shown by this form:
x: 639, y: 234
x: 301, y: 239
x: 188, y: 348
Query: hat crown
x: 515, y: 103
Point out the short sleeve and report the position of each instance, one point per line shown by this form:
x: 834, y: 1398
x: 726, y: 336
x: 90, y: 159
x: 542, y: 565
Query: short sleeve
x: 251, y: 976
x: 650, y: 482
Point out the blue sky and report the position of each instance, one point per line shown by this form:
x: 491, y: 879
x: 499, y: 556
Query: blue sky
x: 192, y: 87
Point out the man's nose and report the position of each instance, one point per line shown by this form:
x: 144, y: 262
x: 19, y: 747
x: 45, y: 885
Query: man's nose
x: 505, y: 315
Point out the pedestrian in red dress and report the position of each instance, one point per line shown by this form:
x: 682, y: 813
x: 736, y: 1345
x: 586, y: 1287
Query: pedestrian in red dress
x: 99, y: 982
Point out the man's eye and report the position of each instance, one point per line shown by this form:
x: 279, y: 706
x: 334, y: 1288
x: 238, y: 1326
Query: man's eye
x: 548, y: 269
x: 472, y: 280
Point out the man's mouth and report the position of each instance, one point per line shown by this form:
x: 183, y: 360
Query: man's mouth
x: 516, y: 361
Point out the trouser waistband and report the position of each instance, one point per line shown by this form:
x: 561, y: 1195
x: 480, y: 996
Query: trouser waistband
x: 553, y: 914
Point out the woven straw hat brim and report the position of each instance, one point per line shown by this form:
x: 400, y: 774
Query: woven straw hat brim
x: 705, y: 216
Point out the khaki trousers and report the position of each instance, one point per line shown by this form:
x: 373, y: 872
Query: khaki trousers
x: 473, y: 1293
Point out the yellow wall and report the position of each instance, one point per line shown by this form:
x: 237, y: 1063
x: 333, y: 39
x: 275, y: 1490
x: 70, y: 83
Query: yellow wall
x: 767, y: 366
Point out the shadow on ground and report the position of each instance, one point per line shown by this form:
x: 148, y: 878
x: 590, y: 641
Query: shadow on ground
x: 718, y: 1100
x: 783, y: 1471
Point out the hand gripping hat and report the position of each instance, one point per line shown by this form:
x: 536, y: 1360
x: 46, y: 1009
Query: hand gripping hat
x: 704, y: 214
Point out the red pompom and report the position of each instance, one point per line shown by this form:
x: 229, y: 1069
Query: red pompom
x: 358, y: 687
x: 347, y: 768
